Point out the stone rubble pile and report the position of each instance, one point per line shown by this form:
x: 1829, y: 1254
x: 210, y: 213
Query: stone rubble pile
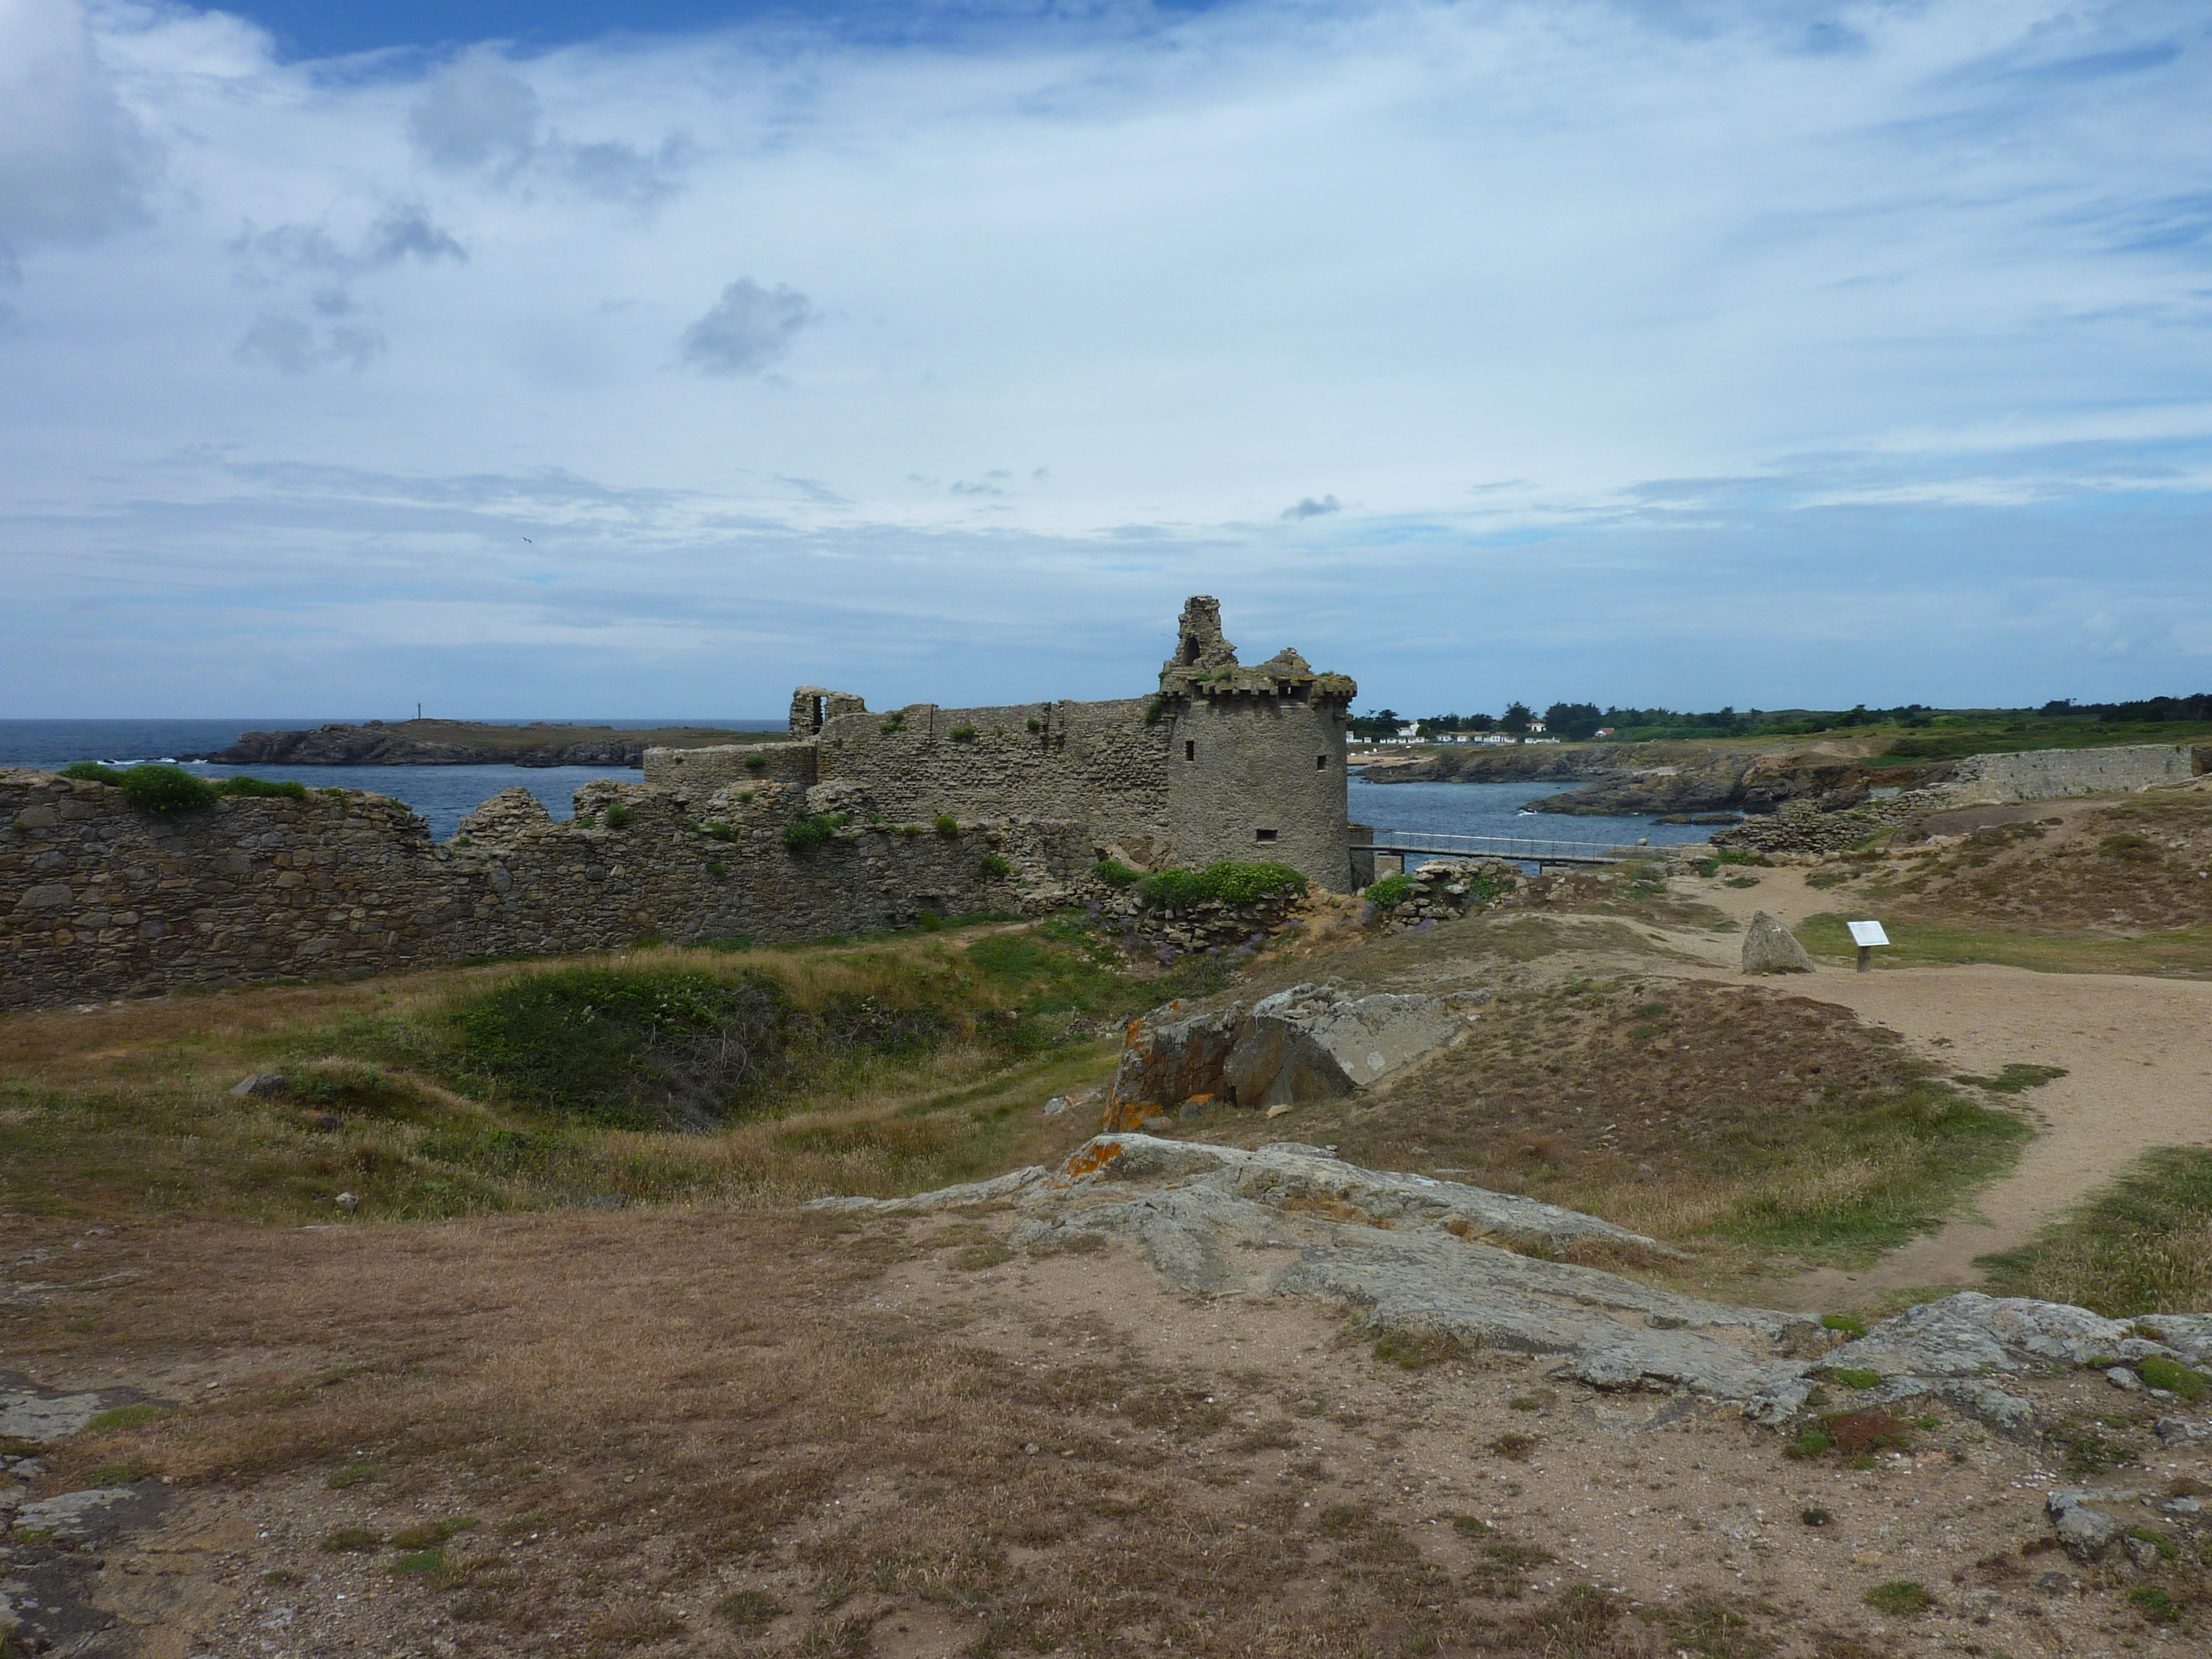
x: 1444, y: 890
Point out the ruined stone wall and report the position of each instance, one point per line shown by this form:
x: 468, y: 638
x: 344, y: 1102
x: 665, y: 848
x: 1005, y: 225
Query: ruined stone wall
x: 98, y: 899
x: 2052, y: 774
x: 1257, y: 776
x: 699, y: 772
x: 1098, y: 763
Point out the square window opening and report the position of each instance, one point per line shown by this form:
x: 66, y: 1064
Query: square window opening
x: 1263, y: 835
x: 1320, y: 762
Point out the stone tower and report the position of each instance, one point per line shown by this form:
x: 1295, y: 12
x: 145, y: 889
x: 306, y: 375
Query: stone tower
x: 1255, y: 756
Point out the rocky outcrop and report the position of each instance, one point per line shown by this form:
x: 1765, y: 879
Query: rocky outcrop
x: 1410, y: 1253
x: 1309, y: 1042
x: 458, y: 743
x: 1770, y: 948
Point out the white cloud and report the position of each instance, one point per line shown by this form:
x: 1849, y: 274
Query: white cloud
x: 73, y: 162
x: 1748, y: 313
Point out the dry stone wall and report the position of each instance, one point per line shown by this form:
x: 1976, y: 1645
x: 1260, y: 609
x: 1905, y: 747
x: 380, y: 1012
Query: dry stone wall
x: 99, y: 899
x: 1099, y: 763
x: 2052, y: 774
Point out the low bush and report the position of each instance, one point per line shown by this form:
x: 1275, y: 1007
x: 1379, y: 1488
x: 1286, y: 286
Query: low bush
x: 947, y: 826
x: 1900, y: 1598
x: 963, y: 734
x: 91, y: 772
x: 618, y: 817
x: 1390, y: 892
x: 1115, y: 874
x: 756, y: 763
x: 1155, y: 711
x: 996, y: 867
x: 803, y: 836
x: 1228, y: 883
x: 166, y: 789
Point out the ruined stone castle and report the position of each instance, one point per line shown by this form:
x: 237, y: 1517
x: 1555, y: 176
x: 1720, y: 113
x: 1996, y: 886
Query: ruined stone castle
x: 859, y: 822
x: 1226, y: 761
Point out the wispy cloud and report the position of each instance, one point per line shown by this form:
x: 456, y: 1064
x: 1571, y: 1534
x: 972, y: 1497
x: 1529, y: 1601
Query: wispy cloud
x: 1877, y: 336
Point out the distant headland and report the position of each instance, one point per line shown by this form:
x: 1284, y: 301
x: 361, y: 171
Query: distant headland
x: 469, y: 743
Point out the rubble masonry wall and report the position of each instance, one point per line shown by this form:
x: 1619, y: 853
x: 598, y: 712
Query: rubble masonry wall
x: 99, y: 899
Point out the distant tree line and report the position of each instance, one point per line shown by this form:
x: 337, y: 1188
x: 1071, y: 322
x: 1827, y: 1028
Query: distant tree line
x: 1578, y: 722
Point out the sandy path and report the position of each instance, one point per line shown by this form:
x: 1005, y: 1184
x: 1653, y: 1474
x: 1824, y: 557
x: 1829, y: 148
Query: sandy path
x: 2137, y: 1054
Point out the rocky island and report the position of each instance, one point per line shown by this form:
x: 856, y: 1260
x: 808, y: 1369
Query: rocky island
x: 468, y: 743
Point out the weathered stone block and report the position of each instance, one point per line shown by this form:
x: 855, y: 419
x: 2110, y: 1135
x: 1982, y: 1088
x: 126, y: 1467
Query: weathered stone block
x: 1768, y: 948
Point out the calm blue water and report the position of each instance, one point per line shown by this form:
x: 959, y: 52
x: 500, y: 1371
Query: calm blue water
x: 441, y: 793
x: 1494, y: 809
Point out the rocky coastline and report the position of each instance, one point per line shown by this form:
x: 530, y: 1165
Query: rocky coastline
x: 467, y: 743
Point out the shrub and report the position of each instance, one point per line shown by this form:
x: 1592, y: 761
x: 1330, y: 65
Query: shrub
x: 947, y: 826
x: 166, y: 789
x: 756, y: 763
x: 91, y: 772
x: 896, y: 723
x: 1154, y: 710
x: 633, y: 1046
x: 1900, y: 1598
x: 618, y: 816
x: 718, y: 870
x: 1035, y: 724
x: 803, y: 834
x: 1229, y: 882
x: 289, y: 789
x: 963, y: 734
x: 719, y: 831
x: 1390, y: 892
x: 996, y: 867
x: 1115, y: 874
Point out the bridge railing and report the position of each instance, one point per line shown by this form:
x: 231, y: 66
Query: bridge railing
x: 1531, y: 849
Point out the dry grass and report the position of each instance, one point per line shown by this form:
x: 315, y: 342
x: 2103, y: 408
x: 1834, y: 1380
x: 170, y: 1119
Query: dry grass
x: 2142, y: 1245
x: 2068, y: 887
x: 1684, y: 1109
x: 685, y: 1429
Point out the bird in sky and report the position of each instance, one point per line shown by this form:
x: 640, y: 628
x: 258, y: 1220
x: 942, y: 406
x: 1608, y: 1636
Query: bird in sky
x: 527, y: 539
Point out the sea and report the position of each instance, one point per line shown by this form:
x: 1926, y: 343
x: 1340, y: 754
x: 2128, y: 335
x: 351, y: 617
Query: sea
x: 442, y: 794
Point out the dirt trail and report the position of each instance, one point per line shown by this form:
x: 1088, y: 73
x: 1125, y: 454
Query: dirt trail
x: 2137, y: 1052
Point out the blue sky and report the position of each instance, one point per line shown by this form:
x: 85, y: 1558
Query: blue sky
x: 652, y: 360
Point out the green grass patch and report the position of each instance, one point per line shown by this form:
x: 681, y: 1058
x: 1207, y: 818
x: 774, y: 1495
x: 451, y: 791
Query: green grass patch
x: 1912, y: 1156
x: 348, y: 1540
x: 420, y: 1561
x: 1900, y: 1598
x: 2143, y: 1245
x: 2174, y: 1378
x: 1915, y: 943
x: 1115, y: 874
x: 124, y: 1417
x: 2016, y: 1079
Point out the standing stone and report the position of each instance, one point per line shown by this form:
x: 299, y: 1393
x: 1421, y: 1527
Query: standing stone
x: 1768, y: 948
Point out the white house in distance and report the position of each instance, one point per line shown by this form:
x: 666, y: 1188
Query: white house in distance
x: 1535, y: 726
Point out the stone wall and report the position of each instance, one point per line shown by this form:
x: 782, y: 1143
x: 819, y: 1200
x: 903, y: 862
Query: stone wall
x: 98, y: 899
x: 1260, y: 778
x: 2052, y: 774
x: 699, y: 772
x: 1099, y: 763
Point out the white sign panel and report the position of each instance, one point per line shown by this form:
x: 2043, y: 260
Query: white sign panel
x: 1867, y: 932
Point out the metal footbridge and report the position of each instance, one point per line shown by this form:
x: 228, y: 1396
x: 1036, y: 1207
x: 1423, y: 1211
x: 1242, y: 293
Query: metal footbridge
x: 1525, y: 850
